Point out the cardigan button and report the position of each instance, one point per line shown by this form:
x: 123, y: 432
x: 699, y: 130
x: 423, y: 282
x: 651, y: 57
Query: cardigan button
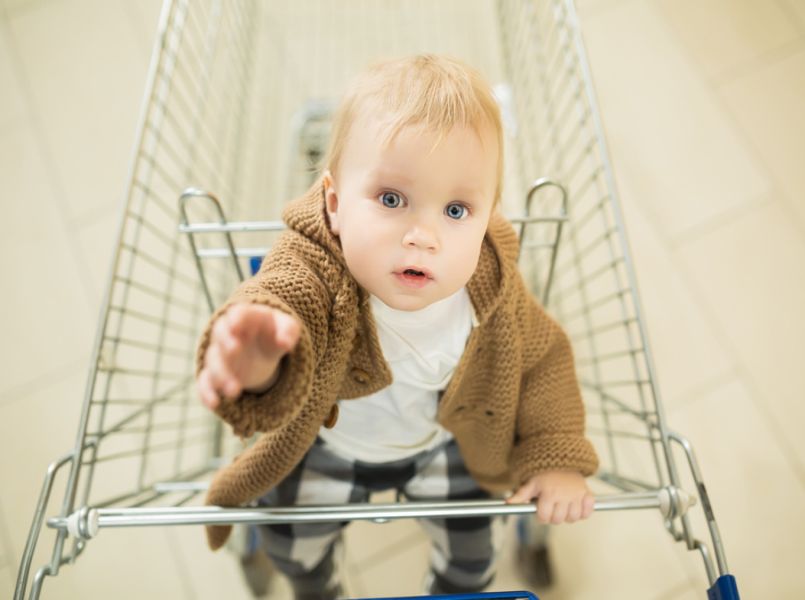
x: 332, y: 418
x: 360, y: 375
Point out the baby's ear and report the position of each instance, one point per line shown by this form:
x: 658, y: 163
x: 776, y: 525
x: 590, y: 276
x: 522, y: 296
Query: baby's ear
x: 331, y: 201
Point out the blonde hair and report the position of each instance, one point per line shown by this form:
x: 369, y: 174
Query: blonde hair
x: 437, y: 92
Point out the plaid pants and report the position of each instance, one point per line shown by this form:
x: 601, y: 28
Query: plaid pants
x: 463, y: 551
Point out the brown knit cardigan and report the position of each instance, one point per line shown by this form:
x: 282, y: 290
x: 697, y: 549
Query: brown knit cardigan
x: 513, y: 403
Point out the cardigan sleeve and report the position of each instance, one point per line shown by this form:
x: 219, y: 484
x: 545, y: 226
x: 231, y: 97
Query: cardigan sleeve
x: 550, y: 417
x: 288, y: 283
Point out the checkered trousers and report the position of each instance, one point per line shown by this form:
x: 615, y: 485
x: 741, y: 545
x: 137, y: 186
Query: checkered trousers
x: 463, y: 550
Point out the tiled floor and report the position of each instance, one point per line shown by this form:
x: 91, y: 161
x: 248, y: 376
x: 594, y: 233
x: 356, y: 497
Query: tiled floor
x: 702, y: 104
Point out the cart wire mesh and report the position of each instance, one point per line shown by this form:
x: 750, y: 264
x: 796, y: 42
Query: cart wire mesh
x: 236, y: 115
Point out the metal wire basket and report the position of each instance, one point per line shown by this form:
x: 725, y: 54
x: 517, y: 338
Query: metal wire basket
x: 237, y: 107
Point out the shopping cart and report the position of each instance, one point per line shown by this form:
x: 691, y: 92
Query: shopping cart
x: 238, y: 107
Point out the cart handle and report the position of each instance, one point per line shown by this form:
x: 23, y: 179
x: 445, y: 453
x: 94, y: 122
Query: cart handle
x: 86, y: 522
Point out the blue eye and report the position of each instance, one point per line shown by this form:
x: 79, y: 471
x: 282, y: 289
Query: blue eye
x: 390, y: 199
x: 456, y: 211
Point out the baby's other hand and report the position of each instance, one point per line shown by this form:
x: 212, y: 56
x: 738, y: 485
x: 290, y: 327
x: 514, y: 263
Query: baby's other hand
x: 561, y: 496
x: 246, y: 345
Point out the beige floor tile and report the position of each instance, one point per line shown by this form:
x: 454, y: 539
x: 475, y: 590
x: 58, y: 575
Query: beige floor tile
x: 402, y: 573
x: 30, y: 209
x: 750, y: 279
x: 123, y: 563
x: 373, y: 550
x: 8, y: 578
x: 368, y: 544
x: 625, y: 554
x: 47, y: 314
x: 86, y: 116
x: 754, y: 491
x: 128, y: 563
x: 667, y: 132
x: 587, y: 9
x: 206, y: 574
x: 685, y: 350
x: 725, y: 36
x: 37, y: 428
x: 508, y: 576
x: 17, y: 6
x: 7, y: 556
x: 767, y: 105
x: 683, y: 592
x: 12, y: 104
x: 144, y: 16
x: 97, y: 241
x: 796, y: 9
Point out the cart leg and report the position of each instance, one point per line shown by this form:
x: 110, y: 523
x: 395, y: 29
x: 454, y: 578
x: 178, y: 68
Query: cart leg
x: 257, y: 569
x: 724, y: 588
x: 533, y: 558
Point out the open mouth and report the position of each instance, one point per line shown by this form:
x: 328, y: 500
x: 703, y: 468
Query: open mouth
x: 414, y: 277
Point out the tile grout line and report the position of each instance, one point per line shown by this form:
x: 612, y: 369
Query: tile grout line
x: 705, y: 388
x: 757, y: 157
x: 676, y: 590
x: 785, y: 6
x: 779, y: 435
x: 8, y: 556
x: 776, y: 430
x: 179, y: 564
x: 47, y: 379
x: 140, y: 28
x: 713, y: 87
x: 726, y: 217
x: 700, y: 299
x: 760, y: 61
x: 54, y: 184
x: 23, y: 9
x: 598, y: 10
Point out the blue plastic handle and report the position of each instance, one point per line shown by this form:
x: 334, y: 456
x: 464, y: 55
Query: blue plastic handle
x: 519, y: 595
x: 725, y: 588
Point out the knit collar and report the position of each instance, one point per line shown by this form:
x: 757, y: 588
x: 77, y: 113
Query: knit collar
x: 496, y: 263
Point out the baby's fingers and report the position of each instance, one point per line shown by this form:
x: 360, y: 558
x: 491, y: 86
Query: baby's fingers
x: 587, y: 506
x: 223, y: 380
x: 545, y: 508
x: 206, y: 391
x: 580, y: 508
x: 559, y: 514
x: 286, y: 331
x: 574, y: 511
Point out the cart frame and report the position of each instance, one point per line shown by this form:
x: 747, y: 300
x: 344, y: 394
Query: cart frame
x: 202, y: 126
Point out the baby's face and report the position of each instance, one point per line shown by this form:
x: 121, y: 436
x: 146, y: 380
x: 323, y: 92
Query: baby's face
x: 411, y: 218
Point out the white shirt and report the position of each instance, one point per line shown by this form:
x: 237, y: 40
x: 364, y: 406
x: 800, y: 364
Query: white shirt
x: 422, y: 348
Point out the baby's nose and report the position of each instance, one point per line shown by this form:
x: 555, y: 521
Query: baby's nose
x: 421, y: 237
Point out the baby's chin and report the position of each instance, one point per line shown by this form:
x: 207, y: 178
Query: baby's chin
x: 407, y: 304
x: 410, y: 302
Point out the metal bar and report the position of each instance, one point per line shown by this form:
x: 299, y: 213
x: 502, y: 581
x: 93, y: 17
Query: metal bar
x: 149, y: 347
x: 585, y: 360
x: 715, y: 534
x: 87, y: 522
x: 166, y: 447
x: 154, y: 320
x: 36, y: 526
x: 629, y: 267
x: 256, y: 226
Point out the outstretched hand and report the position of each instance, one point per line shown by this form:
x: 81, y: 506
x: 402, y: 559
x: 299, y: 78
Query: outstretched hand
x: 246, y: 345
x: 561, y: 496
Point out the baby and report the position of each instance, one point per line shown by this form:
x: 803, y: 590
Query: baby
x: 389, y: 341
